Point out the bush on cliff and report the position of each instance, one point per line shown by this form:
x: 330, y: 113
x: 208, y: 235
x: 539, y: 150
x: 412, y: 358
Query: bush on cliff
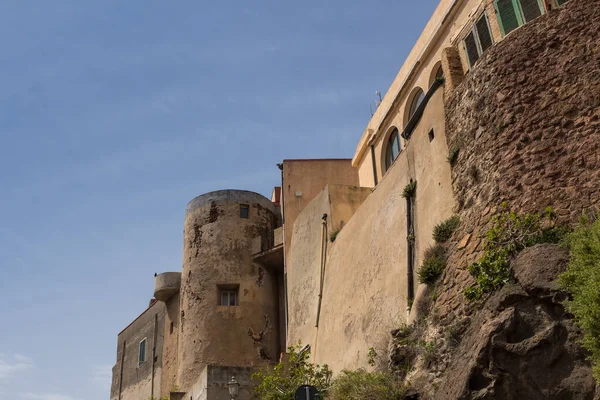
x: 444, y: 230
x: 582, y: 280
x: 281, y: 381
x: 434, y: 263
x: 510, y: 233
x: 361, y: 385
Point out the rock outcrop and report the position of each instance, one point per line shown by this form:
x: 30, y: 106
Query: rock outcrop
x: 520, y: 344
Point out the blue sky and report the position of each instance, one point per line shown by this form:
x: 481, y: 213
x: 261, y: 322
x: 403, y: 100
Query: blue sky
x: 114, y: 114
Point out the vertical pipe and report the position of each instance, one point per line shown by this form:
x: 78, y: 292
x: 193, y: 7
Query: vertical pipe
x: 285, y: 298
x: 154, y: 354
x: 374, y: 165
x: 410, y: 247
x: 323, y: 258
x: 121, y: 373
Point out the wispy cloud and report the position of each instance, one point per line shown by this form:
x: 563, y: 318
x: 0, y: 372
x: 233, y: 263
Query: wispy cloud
x: 13, y: 364
x: 45, y: 396
x: 101, y: 375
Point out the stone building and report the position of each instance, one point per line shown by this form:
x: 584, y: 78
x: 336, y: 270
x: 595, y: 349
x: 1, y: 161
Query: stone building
x: 331, y: 259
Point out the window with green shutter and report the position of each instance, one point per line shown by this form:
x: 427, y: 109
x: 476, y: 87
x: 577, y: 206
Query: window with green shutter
x: 507, y: 16
x: 478, y: 40
x: 514, y: 13
x: 561, y: 2
x: 483, y: 33
x: 531, y: 9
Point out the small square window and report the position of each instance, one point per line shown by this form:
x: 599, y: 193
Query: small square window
x: 431, y: 135
x: 228, y: 298
x: 228, y: 295
x: 244, y: 211
x: 142, y: 352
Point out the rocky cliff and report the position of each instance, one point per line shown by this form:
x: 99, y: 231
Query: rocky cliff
x: 526, y: 123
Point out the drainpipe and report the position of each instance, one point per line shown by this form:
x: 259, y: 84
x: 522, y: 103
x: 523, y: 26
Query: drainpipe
x: 121, y: 373
x: 374, y: 165
x: 154, y: 354
x: 410, y: 248
x: 323, y: 259
x: 285, y: 294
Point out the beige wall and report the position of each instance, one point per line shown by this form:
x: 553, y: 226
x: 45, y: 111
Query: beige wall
x: 170, y: 357
x: 310, y: 177
x: 365, y: 287
x: 139, y: 381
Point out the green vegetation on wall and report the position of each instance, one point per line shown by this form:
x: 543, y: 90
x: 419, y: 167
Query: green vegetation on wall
x: 281, y: 381
x: 582, y: 280
x: 361, y: 385
x: 510, y: 233
x: 444, y: 230
x: 410, y: 190
x: 434, y: 264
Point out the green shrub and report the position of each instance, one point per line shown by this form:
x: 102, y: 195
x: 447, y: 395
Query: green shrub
x: 333, y: 235
x: 410, y: 190
x: 363, y: 385
x: 582, y: 280
x: 453, y: 155
x: 444, y: 230
x: 372, y: 357
x: 281, y: 381
x: 434, y: 264
x: 510, y: 233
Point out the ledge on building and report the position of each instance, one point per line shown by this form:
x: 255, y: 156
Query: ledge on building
x: 268, y: 251
x: 166, y: 285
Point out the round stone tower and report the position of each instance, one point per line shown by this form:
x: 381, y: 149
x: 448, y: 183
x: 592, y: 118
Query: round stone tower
x: 229, y: 306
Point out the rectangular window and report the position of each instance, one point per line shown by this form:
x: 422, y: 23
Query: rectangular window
x: 514, y: 13
x: 244, y: 211
x: 478, y: 40
x: 142, y: 352
x: 229, y: 298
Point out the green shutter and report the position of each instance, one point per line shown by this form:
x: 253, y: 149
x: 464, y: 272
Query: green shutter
x: 561, y: 2
x: 530, y: 9
x: 483, y: 33
x: 471, y: 49
x: 508, y: 17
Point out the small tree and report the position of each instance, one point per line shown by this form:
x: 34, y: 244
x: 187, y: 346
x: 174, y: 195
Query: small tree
x: 281, y: 381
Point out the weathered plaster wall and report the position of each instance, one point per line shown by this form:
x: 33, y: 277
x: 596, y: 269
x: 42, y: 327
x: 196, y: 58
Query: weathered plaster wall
x: 339, y: 203
x: 170, y: 341
x: 365, y: 280
x: 527, y: 120
x: 137, y: 380
x: 310, y: 177
x: 217, y: 251
x: 212, y: 383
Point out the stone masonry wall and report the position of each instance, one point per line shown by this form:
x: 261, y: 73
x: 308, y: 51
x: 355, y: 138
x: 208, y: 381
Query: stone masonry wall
x: 527, y: 122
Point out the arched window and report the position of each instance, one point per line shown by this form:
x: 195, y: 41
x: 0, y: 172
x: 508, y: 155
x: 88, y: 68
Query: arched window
x: 416, y: 101
x: 440, y: 73
x: 392, y: 148
x: 437, y: 72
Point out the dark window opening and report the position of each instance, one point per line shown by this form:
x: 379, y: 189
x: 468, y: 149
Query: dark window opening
x: 228, y: 295
x: 142, y: 352
x: 171, y: 328
x: 531, y: 9
x: 431, y: 135
x: 484, y: 34
x: 393, y: 148
x: 478, y: 40
x: 416, y: 101
x: 244, y: 211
